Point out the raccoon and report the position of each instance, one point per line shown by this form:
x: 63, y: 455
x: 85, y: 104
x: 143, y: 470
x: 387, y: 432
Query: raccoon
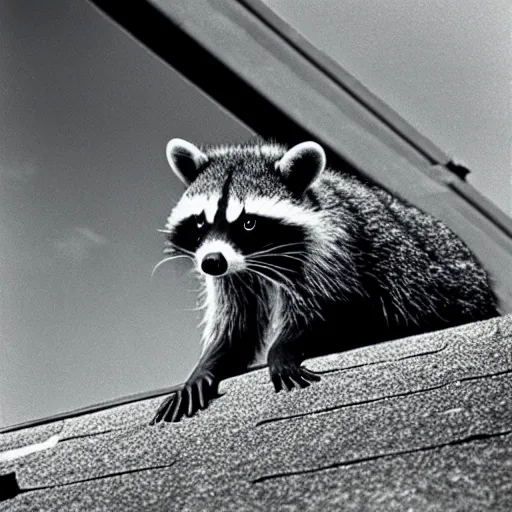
x: 299, y: 260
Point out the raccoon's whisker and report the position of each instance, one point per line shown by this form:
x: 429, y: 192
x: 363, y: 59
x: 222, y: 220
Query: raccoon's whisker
x: 283, y: 255
x: 279, y: 253
x: 161, y: 262
x: 261, y: 266
x: 166, y: 231
x: 275, y: 248
x: 253, y: 268
x: 275, y: 268
x: 177, y: 248
x: 272, y: 265
x: 265, y: 277
x: 173, y: 250
x: 271, y: 245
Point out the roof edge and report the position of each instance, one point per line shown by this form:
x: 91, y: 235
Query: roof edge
x: 107, y: 404
x: 89, y: 409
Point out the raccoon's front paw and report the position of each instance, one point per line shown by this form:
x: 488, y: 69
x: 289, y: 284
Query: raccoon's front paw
x: 291, y: 376
x: 194, y: 395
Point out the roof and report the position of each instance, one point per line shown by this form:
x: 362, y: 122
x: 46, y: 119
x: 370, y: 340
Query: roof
x: 422, y: 423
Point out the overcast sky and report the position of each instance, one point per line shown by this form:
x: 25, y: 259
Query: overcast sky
x: 85, y: 114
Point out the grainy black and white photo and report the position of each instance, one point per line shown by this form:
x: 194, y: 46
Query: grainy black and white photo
x: 255, y: 255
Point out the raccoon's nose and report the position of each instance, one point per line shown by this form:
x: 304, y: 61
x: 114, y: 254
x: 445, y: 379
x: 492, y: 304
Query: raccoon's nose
x: 214, y: 264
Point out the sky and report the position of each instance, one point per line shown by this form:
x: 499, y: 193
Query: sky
x: 85, y: 113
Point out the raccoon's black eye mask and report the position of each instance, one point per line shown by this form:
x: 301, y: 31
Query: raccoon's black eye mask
x: 254, y: 233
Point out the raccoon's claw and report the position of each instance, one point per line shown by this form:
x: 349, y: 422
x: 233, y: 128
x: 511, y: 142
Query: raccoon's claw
x: 193, y: 396
x: 292, y: 377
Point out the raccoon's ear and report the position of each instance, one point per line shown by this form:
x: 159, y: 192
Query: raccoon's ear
x: 185, y: 159
x: 301, y: 165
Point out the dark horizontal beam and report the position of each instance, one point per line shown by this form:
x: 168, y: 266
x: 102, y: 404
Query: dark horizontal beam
x: 165, y: 37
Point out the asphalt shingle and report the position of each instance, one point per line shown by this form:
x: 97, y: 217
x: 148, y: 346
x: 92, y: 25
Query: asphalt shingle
x: 471, y: 476
x: 423, y: 423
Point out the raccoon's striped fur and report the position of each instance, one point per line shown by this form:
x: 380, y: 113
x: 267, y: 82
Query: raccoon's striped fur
x: 300, y: 260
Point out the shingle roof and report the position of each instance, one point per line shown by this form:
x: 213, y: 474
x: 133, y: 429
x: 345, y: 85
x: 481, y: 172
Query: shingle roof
x: 423, y: 423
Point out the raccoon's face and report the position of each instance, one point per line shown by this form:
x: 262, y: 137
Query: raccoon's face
x: 243, y: 211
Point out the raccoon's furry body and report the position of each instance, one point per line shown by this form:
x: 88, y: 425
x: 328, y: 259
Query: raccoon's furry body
x: 300, y: 260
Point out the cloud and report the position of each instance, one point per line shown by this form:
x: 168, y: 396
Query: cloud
x: 91, y: 236
x: 79, y: 243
